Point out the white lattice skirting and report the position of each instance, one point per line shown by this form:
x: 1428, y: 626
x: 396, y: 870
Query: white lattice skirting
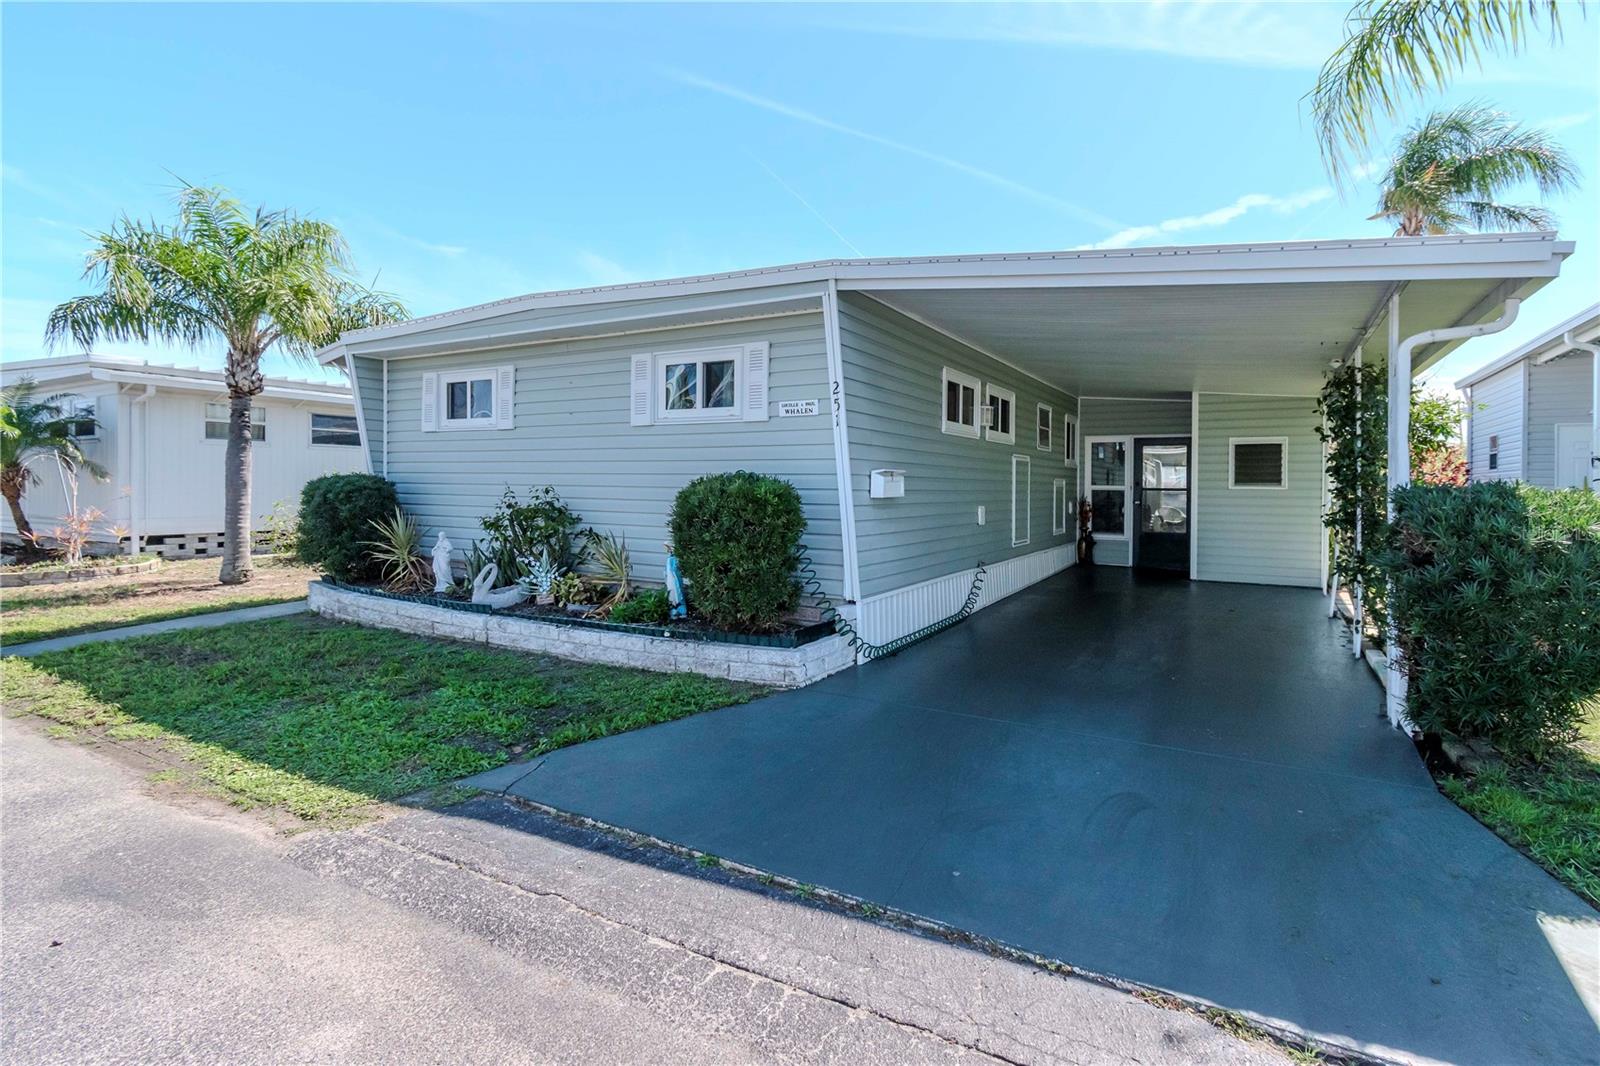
x: 888, y: 615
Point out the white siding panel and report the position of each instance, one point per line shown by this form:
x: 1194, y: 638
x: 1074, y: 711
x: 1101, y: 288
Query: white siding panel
x: 1497, y: 410
x: 1558, y: 391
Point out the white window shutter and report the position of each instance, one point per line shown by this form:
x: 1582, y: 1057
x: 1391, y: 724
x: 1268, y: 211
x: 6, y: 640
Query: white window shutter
x: 505, y: 397
x: 430, y: 402
x: 755, y: 382
x: 640, y: 411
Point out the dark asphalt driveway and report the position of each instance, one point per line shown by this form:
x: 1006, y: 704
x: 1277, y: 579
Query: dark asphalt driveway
x: 1184, y: 784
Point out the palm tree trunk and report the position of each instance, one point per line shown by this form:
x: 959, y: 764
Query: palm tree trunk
x: 11, y: 483
x: 237, y: 564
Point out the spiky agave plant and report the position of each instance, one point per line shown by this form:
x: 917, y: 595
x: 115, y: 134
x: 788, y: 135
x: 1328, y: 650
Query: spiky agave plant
x: 612, y: 567
x: 398, y: 550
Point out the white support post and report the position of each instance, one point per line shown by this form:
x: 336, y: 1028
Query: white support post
x: 1357, y: 620
x: 1400, y: 453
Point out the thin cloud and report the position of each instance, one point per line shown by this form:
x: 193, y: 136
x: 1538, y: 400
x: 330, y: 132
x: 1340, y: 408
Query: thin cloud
x: 1565, y: 122
x: 604, y: 271
x: 1293, y: 36
x: 810, y: 118
x: 807, y: 205
x: 1221, y: 216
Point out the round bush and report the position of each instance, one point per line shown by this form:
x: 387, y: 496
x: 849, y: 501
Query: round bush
x: 737, y: 537
x: 336, y: 516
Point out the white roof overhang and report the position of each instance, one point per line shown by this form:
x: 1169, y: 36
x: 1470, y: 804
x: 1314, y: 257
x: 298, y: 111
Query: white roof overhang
x: 69, y: 372
x: 1551, y: 344
x: 1266, y: 318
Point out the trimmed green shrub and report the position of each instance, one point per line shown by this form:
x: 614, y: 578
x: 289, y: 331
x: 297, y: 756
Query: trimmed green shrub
x: 649, y: 607
x: 336, y: 516
x: 737, y: 537
x: 1496, y: 600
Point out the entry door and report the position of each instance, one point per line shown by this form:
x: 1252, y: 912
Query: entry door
x: 1161, y: 503
x: 1572, y: 455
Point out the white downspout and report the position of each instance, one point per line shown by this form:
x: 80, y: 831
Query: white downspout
x: 1400, y: 453
x: 136, y: 471
x: 1569, y: 338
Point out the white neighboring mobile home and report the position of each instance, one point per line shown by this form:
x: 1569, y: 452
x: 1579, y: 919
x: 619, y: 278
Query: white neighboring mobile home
x: 1531, y: 414
x: 938, y: 412
x: 160, y: 432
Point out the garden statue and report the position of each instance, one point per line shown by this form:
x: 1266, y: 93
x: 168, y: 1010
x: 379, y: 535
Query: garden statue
x: 680, y: 607
x: 442, y: 577
x: 483, y: 590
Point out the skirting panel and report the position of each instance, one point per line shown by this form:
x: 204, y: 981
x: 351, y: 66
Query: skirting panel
x: 888, y: 615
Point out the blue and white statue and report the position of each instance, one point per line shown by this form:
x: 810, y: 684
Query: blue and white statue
x: 680, y: 605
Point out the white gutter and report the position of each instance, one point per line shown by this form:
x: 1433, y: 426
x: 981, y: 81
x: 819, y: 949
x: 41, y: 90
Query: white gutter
x: 1400, y: 452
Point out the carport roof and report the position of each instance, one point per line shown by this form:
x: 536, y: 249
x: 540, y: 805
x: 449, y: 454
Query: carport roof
x: 1266, y: 317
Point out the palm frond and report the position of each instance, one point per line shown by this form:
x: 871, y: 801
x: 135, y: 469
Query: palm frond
x: 1397, y: 49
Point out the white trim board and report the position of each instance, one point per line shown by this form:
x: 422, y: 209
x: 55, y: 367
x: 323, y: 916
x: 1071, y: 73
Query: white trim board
x: 889, y: 615
x: 841, y: 443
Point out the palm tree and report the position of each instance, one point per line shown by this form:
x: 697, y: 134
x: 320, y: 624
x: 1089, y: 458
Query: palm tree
x: 31, y: 428
x: 1401, y: 48
x: 223, y: 275
x: 1450, y: 167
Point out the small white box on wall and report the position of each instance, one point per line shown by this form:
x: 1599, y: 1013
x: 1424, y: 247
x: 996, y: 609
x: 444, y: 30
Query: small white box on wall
x: 888, y: 484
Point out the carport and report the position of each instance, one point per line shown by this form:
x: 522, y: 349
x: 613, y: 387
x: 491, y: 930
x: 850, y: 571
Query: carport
x: 1189, y: 785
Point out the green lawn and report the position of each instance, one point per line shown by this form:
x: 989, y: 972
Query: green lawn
x: 174, y: 590
x: 1552, y: 812
x: 319, y: 719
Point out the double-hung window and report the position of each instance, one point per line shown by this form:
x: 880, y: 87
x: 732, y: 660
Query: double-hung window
x: 1044, y: 427
x: 1002, y: 405
x: 481, y: 398
x: 217, y: 422
x: 961, y: 392
x: 1069, y: 435
x: 1108, y: 485
x: 341, y: 430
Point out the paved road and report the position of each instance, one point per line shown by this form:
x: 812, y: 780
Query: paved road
x: 147, y: 629
x: 140, y: 930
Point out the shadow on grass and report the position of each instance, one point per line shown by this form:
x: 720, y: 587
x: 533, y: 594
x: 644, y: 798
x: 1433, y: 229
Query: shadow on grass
x: 321, y: 719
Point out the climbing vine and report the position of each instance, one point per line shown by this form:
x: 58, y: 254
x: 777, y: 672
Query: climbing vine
x: 1356, y: 398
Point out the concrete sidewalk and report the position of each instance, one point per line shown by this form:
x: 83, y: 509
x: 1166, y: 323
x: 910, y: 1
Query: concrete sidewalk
x: 145, y: 932
x: 150, y: 629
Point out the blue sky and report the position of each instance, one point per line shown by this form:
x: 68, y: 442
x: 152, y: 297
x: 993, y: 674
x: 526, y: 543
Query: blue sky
x: 476, y: 152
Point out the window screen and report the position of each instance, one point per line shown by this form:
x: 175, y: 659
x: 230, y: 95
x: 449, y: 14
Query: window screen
x: 1258, y: 464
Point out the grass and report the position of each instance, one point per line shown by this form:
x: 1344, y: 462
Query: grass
x: 1550, y: 811
x: 89, y: 563
x: 174, y: 590
x: 320, y: 720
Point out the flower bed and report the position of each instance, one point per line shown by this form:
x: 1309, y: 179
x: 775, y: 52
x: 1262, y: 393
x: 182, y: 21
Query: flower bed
x: 784, y: 659
x: 88, y: 570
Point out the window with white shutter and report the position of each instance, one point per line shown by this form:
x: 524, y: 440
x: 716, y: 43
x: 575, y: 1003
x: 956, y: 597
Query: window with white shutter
x: 483, y: 398
x: 721, y: 384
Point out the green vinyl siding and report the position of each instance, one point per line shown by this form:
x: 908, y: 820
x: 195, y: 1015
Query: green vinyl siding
x: 893, y: 399
x: 1130, y: 418
x: 1558, y: 392
x: 572, y: 430
x: 1257, y: 535
x: 368, y: 377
